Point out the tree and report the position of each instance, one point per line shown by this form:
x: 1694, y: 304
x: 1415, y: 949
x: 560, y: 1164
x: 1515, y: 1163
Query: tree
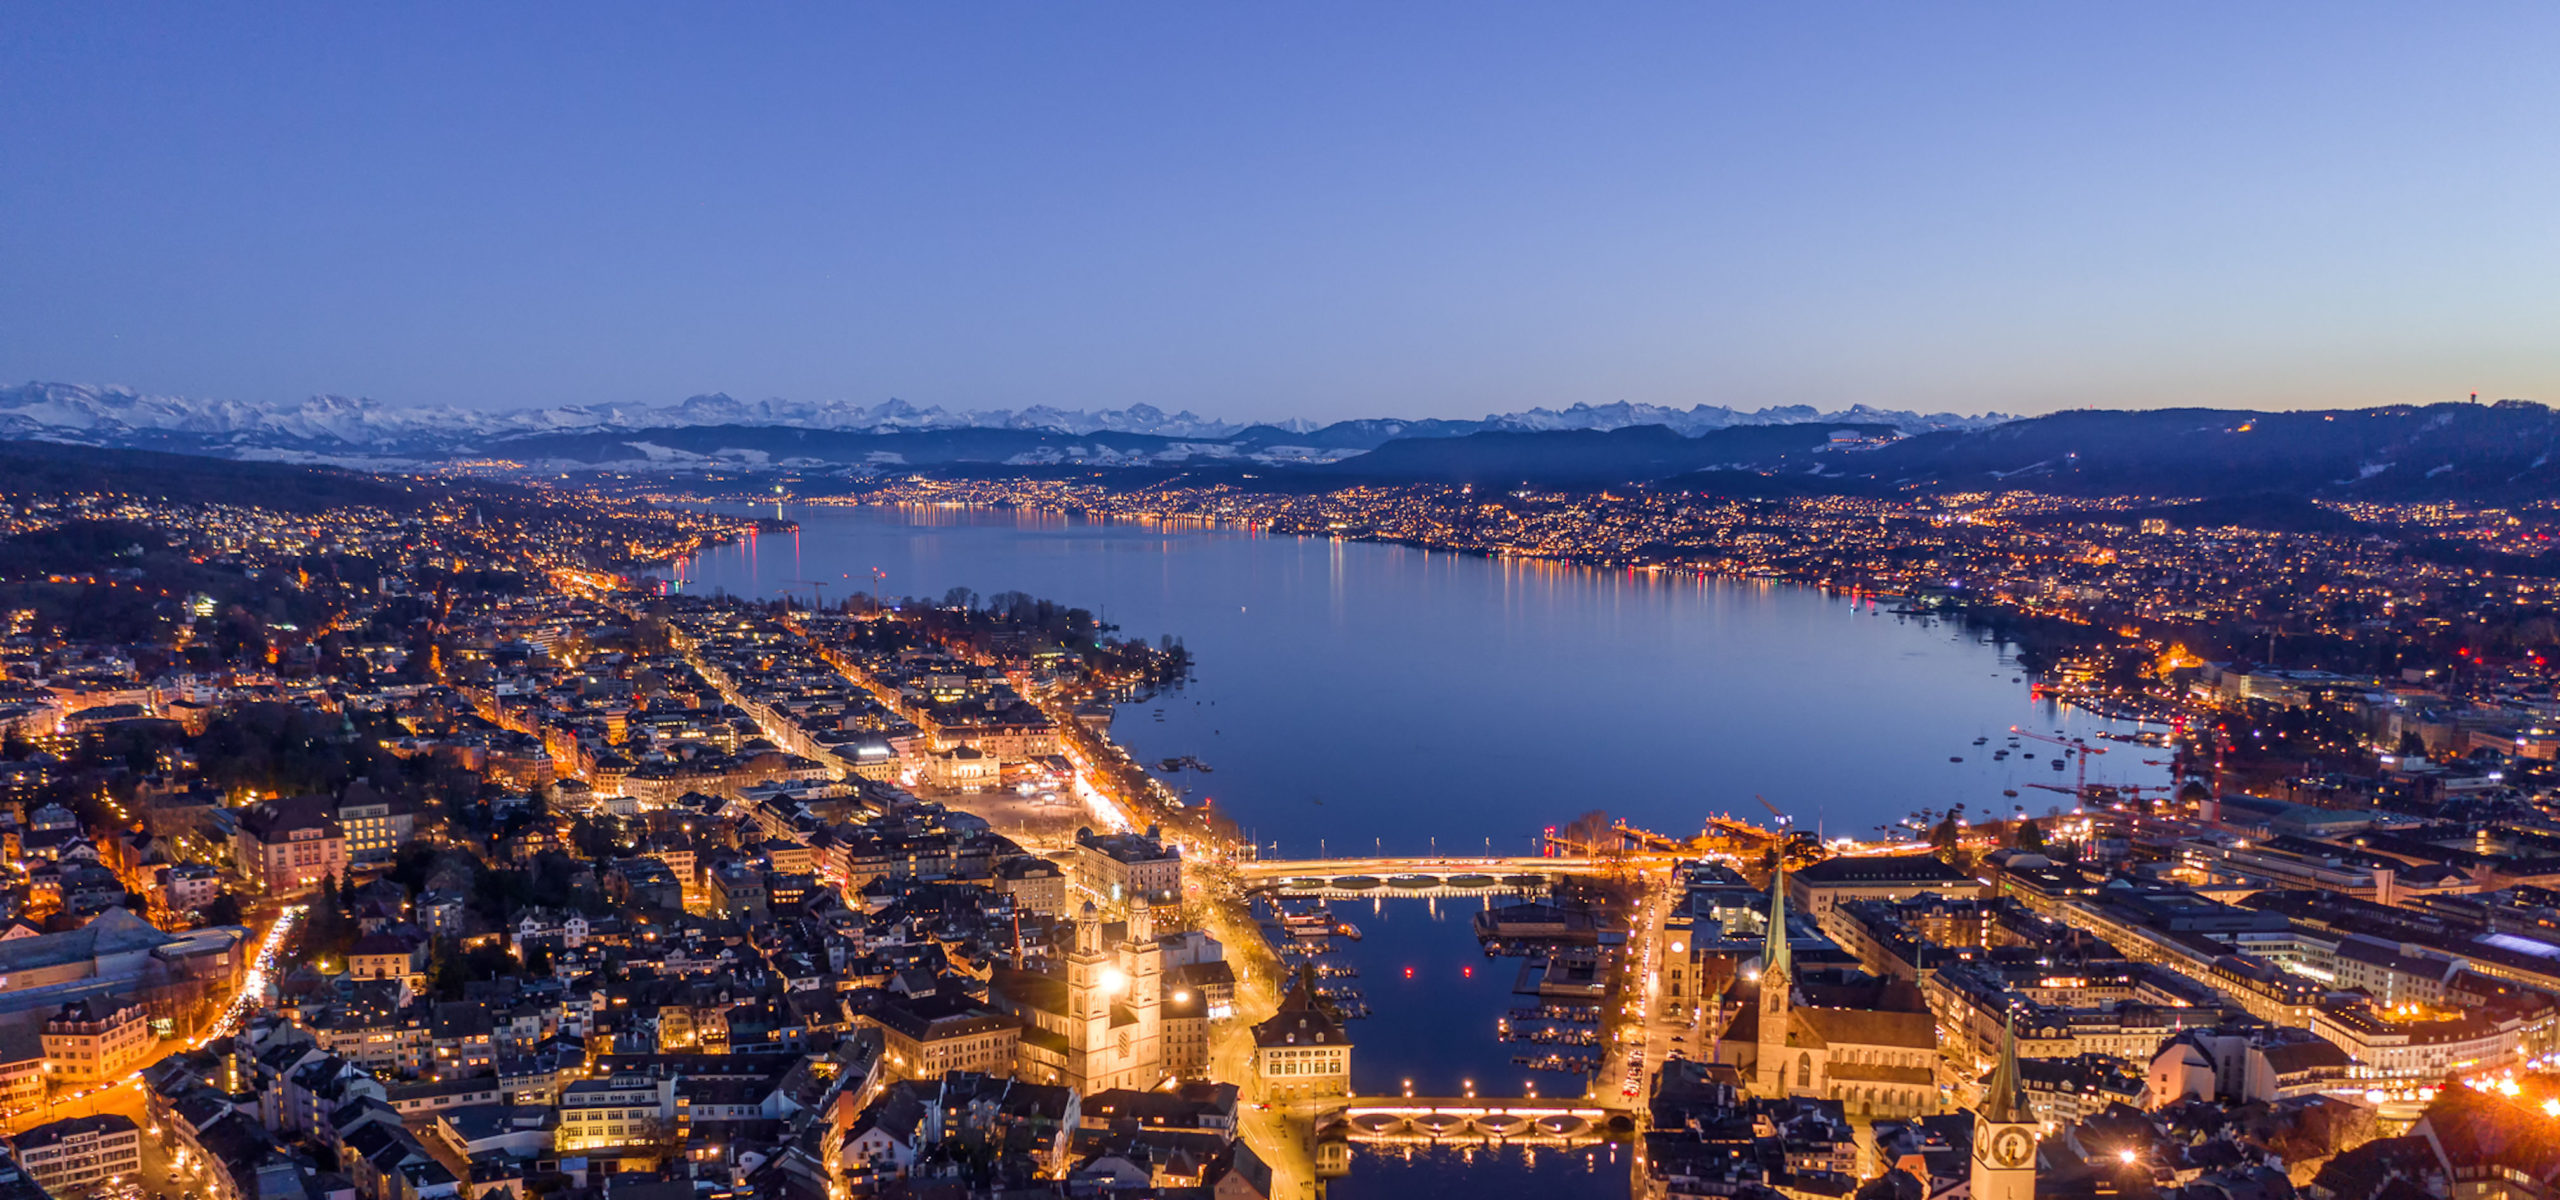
x: 325, y: 914
x: 1948, y: 833
x: 488, y: 961
x: 445, y: 972
x: 593, y: 840
x: 2030, y: 837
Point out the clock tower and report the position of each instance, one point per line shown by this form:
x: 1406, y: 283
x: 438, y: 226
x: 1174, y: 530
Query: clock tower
x: 2004, y: 1131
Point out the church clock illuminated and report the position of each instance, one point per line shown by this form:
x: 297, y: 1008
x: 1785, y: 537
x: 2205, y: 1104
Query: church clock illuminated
x: 2004, y: 1131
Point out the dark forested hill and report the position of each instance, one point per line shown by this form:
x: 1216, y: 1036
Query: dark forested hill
x: 50, y: 468
x: 2495, y: 452
x: 1591, y: 458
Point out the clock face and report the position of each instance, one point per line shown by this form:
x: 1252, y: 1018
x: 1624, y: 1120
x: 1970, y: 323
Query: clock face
x: 2012, y: 1147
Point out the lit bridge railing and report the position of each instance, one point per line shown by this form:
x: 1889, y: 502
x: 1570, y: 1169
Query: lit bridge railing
x: 1436, y: 1118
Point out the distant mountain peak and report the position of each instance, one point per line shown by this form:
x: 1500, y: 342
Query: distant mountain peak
x: 358, y: 426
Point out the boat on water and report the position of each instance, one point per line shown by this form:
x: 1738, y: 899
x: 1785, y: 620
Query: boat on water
x: 1582, y: 1013
x: 1307, y: 925
x: 1573, y: 1064
x: 1349, y: 930
x: 2009, y: 792
x: 1982, y: 741
x: 1955, y: 758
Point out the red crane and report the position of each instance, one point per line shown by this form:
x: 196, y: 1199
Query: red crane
x: 2085, y: 749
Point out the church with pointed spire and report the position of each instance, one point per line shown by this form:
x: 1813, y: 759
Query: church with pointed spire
x: 2004, y: 1130
x: 1873, y: 1048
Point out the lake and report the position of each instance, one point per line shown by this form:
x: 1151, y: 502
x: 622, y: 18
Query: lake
x: 1352, y: 697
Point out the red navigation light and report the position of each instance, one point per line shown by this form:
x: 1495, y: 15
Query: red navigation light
x: 1468, y: 972
x: 1408, y: 972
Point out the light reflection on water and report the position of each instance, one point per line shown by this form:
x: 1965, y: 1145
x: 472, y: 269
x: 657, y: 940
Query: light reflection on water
x: 1356, y: 696
x: 1497, y: 1173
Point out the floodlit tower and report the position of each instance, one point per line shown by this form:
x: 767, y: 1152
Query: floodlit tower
x: 2004, y: 1131
x: 1777, y: 988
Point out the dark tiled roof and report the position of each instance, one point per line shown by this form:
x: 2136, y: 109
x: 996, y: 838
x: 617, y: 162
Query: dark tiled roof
x: 1903, y: 868
x: 1304, y: 1019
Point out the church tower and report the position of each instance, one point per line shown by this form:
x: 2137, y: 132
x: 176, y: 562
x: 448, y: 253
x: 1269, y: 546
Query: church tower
x: 2004, y: 1131
x: 1777, y: 992
x: 1091, y: 977
x: 1142, y: 963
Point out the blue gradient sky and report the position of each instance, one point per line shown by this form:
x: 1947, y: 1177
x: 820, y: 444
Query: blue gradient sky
x: 1296, y: 209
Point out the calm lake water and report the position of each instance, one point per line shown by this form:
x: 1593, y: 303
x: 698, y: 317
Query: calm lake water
x: 1351, y: 697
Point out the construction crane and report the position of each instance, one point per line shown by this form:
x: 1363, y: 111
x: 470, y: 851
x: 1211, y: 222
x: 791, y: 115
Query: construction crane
x: 2083, y: 747
x: 817, y: 589
x: 1784, y: 821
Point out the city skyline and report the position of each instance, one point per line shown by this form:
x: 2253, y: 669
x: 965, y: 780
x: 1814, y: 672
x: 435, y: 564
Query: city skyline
x: 1324, y: 214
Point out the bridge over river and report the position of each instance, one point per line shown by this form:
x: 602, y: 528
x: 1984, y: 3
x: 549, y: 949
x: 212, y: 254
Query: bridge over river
x: 1475, y: 1118
x: 1419, y: 876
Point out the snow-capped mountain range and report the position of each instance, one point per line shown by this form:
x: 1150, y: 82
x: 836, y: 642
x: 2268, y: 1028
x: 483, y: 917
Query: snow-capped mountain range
x: 357, y: 429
